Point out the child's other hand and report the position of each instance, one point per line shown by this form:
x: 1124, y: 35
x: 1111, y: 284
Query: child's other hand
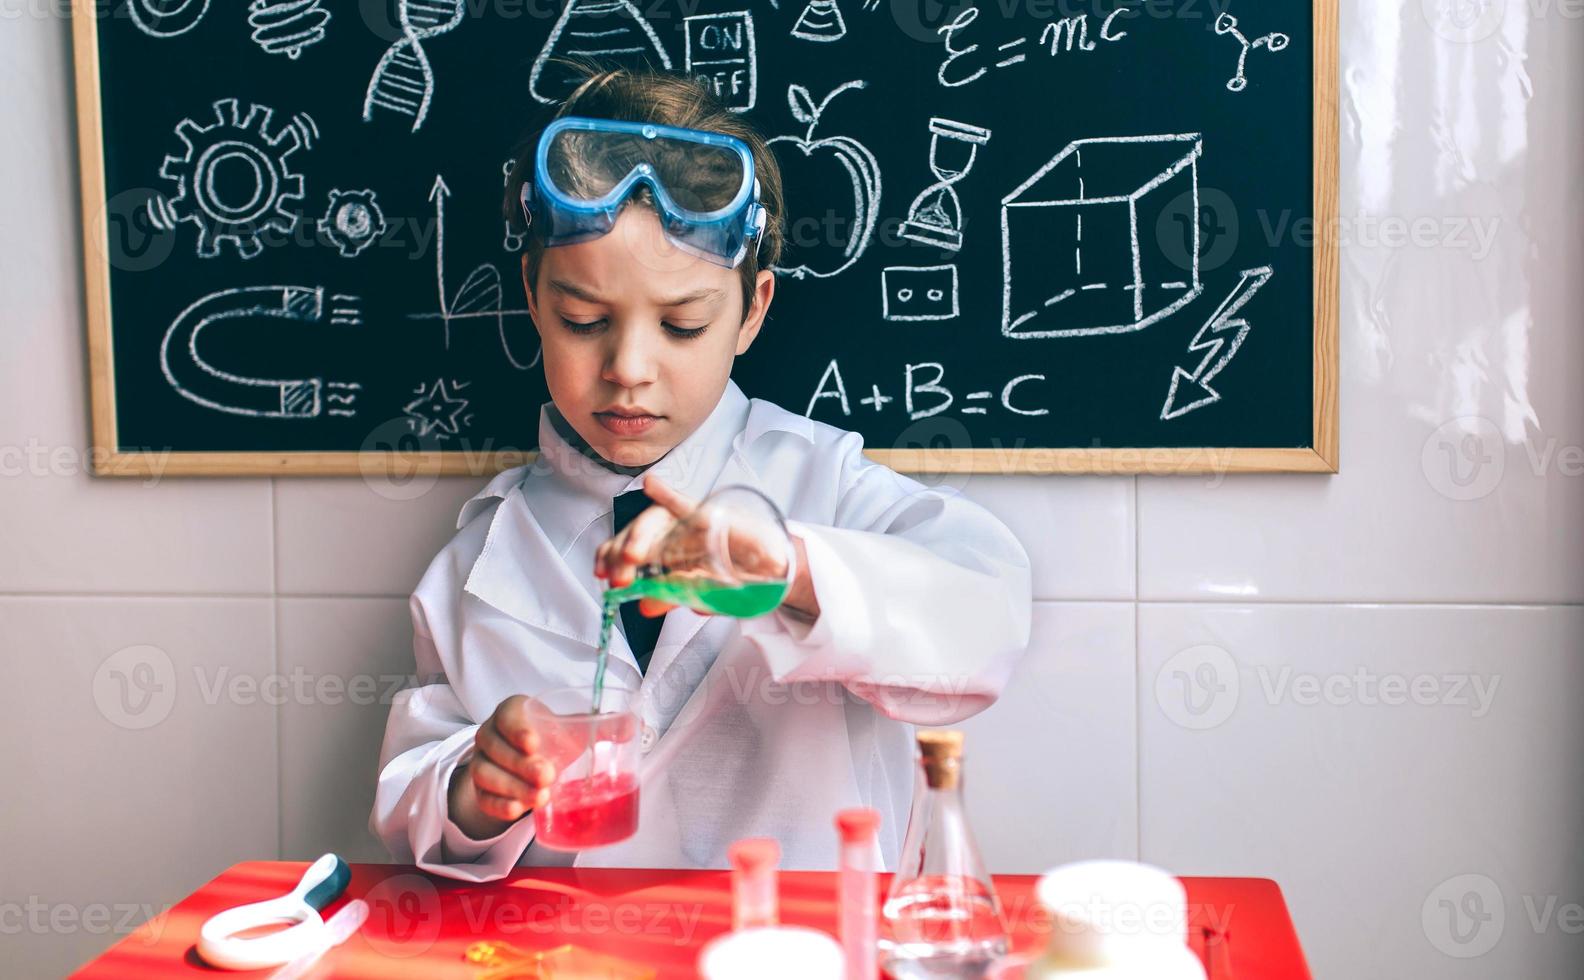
x: 617, y: 560
x: 508, y: 775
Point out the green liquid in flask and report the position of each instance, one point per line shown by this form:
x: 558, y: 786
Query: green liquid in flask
x: 740, y: 601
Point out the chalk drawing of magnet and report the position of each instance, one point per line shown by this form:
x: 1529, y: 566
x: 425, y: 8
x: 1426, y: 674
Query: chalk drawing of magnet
x: 910, y: 292
x: 254, y: 308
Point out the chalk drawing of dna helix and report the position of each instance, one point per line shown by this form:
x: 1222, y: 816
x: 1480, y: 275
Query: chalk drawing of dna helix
x: 403, y: 81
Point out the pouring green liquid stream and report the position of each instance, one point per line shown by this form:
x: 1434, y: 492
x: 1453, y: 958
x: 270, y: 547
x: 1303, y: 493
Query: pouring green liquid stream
x: 705, y: 595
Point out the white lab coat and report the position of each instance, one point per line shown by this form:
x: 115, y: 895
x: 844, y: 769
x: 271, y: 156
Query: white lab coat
x: 760, y: 727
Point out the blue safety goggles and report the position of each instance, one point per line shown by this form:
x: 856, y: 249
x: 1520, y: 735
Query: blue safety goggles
x: 703, y: 185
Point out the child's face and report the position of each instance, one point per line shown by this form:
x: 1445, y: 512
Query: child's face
x: 638, y: 336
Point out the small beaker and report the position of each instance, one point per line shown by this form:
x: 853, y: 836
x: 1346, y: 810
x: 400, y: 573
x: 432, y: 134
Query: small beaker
x: 594, y: 799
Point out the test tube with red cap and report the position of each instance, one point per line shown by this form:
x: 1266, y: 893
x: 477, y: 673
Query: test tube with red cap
x: 754, y: 903
x: 857, y: 902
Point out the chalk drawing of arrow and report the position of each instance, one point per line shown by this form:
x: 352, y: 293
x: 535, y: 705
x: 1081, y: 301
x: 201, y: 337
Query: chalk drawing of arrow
x: 1191, y: 389
x: 479, y: 296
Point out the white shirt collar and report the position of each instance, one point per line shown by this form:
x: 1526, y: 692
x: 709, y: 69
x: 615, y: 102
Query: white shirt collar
x: 567, y: 491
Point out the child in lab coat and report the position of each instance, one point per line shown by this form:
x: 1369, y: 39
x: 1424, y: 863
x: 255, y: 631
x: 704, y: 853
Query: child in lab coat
x: 910, y: 604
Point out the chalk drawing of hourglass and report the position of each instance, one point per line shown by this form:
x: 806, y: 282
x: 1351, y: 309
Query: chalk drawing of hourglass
x: 604, y: 30
x: 821, y: 20
x: 935, y: 216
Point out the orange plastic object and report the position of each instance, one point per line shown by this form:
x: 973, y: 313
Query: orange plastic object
x: 503, y: 961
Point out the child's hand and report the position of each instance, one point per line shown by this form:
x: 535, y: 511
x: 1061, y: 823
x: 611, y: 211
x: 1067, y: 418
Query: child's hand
x: 507, y: 776
x: 617, y: 560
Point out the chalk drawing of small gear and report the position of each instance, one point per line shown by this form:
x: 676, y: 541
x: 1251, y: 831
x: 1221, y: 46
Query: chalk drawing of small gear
x: 353, y: 221
x: 234, y: 181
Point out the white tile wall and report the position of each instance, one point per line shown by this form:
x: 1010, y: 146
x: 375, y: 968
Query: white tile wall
x: 1370, y: 759
x: 138, y: 763
x: 1369, y: 815
x: 352, y: 537
x: 345, y: 658
x: 1051, y: 767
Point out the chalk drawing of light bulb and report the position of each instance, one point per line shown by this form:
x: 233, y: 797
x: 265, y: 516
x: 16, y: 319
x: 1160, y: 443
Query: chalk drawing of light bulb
x: 935, y: 216
x: 828, y: 159
x: 609, y: 31
x: 287, y: 26
x: 403, y: 81
x: 254, y: 307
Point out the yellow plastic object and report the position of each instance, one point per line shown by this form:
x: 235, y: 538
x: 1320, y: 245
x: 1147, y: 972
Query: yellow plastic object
x: 503, y: 961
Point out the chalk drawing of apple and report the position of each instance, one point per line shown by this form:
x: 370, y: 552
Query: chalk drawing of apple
x: 856, y: 162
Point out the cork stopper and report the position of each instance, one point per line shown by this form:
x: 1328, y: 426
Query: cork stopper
x: 941, y: 752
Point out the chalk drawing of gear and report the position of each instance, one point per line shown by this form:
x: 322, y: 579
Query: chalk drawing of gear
x: 234, y: 180
x: 353, y: 221
x: 224, y: 391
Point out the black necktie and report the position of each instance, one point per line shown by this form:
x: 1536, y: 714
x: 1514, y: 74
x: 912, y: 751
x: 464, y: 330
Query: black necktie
x: 642, y: 631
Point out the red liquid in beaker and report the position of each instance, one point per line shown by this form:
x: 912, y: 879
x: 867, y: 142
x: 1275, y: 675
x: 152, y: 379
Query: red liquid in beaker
x: 583, y: 813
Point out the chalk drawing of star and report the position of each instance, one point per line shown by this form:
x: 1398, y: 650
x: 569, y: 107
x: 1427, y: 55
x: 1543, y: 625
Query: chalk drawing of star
x: 435, y: 408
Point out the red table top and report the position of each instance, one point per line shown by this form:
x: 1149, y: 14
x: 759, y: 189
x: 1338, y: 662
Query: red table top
x: 419, y: 925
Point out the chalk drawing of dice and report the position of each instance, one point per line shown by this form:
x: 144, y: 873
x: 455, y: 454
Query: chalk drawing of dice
x: 1074, y: 262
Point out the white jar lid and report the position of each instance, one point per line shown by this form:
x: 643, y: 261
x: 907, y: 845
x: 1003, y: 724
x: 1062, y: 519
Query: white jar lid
x: 775, y: 953
x: 1110, y: 911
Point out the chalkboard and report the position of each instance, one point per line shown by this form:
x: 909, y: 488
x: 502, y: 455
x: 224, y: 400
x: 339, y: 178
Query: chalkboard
x: 1023, y: 235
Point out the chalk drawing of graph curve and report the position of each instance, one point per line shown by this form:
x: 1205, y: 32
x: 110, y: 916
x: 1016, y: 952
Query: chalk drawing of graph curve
x: 1073, y: 263
x: 403, y: 81
x: 166, y: 18
x: 224, y: 391
x: 478, y: 298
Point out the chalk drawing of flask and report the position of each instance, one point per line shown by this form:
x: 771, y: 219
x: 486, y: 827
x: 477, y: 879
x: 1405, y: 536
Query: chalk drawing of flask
x: 608, y: 31
x: 821, y: 20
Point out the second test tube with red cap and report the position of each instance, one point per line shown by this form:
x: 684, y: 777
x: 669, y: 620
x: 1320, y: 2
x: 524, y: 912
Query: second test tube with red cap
x: 857, y: 901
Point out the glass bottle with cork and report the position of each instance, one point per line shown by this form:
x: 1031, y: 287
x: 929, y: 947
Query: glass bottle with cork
x: 941, y: 917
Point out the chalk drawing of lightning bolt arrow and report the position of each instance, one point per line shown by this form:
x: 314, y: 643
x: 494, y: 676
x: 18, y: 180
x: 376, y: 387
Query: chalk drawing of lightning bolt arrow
x: 1191, y: 389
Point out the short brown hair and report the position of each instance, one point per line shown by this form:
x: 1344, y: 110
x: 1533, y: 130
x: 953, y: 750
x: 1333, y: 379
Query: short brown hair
x: 671, y: 99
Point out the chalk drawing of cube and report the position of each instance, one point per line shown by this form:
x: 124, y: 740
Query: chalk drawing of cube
x: 1080, y: 250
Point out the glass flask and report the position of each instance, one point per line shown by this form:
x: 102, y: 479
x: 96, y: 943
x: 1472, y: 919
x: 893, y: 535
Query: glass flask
x: 731, y: 556
x: 941, y: 917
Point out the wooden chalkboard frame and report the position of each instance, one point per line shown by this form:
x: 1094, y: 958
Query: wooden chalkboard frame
x: 1322, y: 457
